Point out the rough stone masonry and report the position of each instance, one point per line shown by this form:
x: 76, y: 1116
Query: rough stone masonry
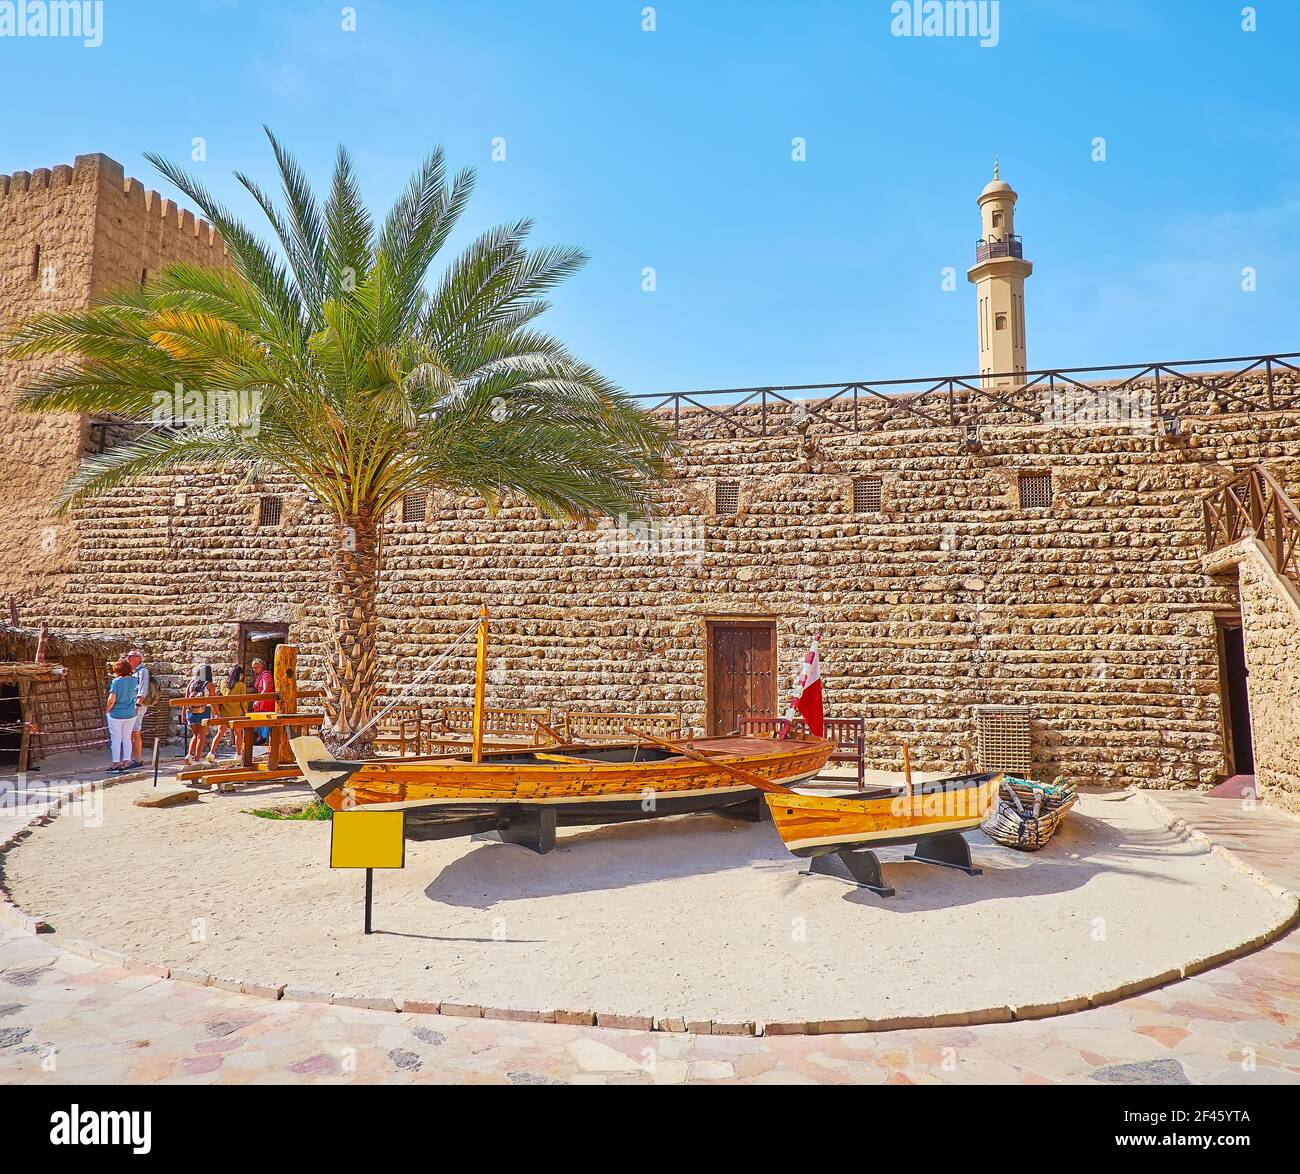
x: 1093, y: 611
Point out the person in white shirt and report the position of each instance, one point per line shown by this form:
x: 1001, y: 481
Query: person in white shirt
x: 139, y: 670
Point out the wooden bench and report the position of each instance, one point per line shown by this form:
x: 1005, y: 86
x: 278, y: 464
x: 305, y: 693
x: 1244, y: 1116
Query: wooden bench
x: 457, y: 721
x: 848, y: 733
x: 403, y: 727
x: 589, y: 726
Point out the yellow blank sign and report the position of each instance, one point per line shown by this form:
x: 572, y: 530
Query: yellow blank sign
x: 367, y: 839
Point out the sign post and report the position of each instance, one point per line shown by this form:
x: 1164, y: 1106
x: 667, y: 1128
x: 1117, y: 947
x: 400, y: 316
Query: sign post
x: 369, y: 840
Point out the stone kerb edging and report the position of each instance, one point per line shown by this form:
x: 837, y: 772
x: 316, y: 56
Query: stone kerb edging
x: 274, y: 990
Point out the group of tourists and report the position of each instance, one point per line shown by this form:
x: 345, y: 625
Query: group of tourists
x: 129, y: 697
x: 132, y: 691
x: 226, y: 704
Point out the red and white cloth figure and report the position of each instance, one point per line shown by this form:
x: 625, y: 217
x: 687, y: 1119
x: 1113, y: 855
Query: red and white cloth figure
x: 806, y: 700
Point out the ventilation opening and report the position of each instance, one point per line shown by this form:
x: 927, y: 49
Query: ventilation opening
x: 1002, y: 739
x: 144, y: 278
x: 866, y: 495
x: 415, y: 507
x: 269, y: 510
x: 726, y: 497
x: 98, y: 434
x: 35, y: 270
x: 1035, y: 491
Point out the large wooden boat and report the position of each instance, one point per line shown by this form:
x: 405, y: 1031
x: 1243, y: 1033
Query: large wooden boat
x: 522, y: 792
x: 816, y: 825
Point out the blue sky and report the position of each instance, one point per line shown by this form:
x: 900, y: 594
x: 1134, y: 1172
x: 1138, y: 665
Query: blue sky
x: 672, y: 149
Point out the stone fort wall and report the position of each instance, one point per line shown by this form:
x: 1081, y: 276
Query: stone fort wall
x: 1094, y: 612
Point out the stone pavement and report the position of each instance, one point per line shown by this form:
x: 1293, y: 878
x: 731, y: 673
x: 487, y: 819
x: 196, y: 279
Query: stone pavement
x: 65, y: 1018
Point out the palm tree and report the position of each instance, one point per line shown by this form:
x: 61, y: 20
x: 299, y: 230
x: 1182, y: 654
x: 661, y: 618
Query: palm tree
x: 332, y: 360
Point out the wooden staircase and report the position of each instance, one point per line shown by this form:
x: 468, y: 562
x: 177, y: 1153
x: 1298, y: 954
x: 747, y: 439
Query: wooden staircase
x: 1254, y: 504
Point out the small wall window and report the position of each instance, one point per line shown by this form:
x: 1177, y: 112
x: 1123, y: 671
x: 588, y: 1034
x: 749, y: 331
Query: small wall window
x: 144, y: 278
x: 415, y: 506
x: 1035, y: 490
x: 98, y: 436
x: 866, y: 495
x: 269, y: 511
x: 35, y: 271
x: 726, y: 497
x: 1000, y: 322
x: 997, y: 220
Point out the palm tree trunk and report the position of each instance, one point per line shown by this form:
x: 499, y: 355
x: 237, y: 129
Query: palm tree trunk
x: 352, y: 670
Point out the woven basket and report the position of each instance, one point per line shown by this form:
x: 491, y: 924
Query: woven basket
x: 1027, y: 814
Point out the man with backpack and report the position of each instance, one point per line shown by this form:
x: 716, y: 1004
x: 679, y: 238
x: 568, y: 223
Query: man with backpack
x: 145, y: 696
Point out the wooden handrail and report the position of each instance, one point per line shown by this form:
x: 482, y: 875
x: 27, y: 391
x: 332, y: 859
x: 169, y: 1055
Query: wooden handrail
x: 1255, y: 503
x: 221, y: 698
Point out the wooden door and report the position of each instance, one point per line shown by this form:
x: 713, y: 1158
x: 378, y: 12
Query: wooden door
x: 742, y: 672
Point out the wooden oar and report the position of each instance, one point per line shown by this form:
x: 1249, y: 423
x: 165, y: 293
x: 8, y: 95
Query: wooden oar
x: 555, y: 737
x: 757, y: 781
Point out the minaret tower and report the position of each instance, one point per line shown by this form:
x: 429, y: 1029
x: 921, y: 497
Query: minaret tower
x: 999, y: 276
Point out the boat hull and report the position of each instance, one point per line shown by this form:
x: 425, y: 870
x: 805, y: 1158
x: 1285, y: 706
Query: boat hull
x: 576, y: 785
x: 813, y: 825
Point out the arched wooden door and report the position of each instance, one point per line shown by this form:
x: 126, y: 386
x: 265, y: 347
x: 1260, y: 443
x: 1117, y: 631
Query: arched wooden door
x: 741, y: 672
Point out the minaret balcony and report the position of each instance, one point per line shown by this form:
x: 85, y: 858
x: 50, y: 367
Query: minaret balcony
x: 1007, y: 246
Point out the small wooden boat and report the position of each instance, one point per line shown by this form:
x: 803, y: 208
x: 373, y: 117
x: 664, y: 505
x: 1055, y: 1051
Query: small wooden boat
x: 815, y: 825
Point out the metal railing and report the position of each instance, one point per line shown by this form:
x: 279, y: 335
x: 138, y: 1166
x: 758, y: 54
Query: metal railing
x: 1162, y: 391
x: 1008, y: 246
x: 1253, y: 502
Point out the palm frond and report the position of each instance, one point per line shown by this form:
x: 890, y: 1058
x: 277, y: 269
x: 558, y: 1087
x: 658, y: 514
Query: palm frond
x: 345, y: 370
x: 252, y: 258
x: 152, y: 453
x: 349, y: 231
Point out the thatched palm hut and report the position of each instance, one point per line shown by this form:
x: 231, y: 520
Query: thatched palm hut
x: 60, y: 703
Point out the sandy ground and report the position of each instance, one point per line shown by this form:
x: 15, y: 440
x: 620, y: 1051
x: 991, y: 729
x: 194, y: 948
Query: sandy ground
x: 694, y: 916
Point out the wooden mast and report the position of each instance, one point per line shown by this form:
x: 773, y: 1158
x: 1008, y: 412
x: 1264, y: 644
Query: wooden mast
x: 480, y: 683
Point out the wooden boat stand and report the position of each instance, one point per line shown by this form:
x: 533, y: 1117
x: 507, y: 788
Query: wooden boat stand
x: 534, y: 827
x: 949, y: 850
